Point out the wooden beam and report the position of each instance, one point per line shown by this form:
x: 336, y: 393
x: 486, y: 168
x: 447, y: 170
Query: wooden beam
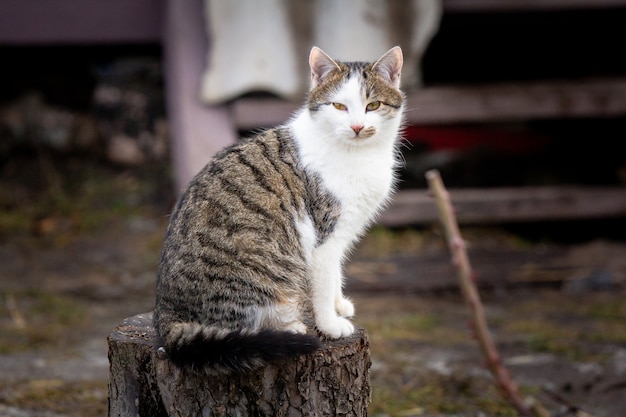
x: 87, y: 21
x: 518, y: 101
x: 520, y: 204
x: 80, y: 22
x: 526, y: 5
x: 604, y: 97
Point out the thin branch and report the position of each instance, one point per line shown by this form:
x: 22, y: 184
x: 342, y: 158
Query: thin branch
x: 505, y: 384
x: 18, y: 319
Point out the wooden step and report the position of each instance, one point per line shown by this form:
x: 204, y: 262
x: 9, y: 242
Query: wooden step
x: 516, y: 204
x: 465, y: 6
x: 603, y: 97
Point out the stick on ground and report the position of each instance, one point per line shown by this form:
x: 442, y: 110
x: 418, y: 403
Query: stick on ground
x: 506, y: 386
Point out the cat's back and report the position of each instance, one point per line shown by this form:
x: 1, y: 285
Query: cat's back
x: 241, y: 205
x: 259, y: 158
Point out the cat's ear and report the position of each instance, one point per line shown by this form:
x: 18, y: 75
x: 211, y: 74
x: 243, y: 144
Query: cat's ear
x: 389, y: 66
x: 321, y: 65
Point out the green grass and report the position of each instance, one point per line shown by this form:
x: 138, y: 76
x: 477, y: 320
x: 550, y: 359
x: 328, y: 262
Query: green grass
x: 575, y: 328
x: 570, y: 327
x: 84, y: 398
x: 58, y: 197
x: 30, y: 320
x: 434, y: 394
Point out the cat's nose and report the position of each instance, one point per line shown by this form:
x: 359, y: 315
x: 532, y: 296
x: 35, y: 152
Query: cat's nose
x: 356, y: 128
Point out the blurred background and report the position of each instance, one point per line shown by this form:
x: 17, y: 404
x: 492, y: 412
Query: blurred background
x: 107, y: 109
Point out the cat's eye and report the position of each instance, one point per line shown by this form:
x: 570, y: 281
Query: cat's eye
x: 340, y: 106
x: 374, y: 105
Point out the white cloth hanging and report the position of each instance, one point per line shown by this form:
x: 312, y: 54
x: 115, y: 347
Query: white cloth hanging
x: 262, y: 45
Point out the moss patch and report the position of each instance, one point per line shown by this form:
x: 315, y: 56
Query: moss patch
x: 408, y: 333
x: 433, y: 394
x: 60, y: 196
x: 85, y: 398
x: 572, y: 327
x: 35, y: 319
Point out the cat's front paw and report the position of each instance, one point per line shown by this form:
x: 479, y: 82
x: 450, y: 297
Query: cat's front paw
x: 336, y: 327
x: 344, y: 307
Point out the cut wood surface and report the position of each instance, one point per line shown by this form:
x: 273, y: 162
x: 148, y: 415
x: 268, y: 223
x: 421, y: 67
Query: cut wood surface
x: 143, y: 382
x: 518, y: 204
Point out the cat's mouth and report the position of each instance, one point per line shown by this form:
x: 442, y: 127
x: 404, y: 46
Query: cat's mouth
x: 365, y: 133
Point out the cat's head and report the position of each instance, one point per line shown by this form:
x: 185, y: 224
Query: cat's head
x: 356, y: 101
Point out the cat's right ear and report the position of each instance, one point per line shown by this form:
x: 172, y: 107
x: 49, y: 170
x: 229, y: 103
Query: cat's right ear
x: 321, y: 65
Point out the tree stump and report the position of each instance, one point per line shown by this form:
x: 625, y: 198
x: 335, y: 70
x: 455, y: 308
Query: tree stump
x: 334, y: 381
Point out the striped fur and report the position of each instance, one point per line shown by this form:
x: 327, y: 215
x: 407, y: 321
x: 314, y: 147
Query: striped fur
x: 237, y: 273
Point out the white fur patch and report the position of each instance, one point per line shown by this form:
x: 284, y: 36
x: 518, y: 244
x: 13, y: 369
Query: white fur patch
x: 284, y: 316
x: 308, y: 237
x: 359, y: 172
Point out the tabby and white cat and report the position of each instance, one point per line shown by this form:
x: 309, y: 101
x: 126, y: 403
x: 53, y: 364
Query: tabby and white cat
x: 260, y: 235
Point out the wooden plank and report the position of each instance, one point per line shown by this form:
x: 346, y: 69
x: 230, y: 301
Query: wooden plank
x: 84, y: 21
x: 526, y: 5
x: 69, y: 21
x: 520, y: 204
x: 518, y: 101
x: 604, y: 97
x: 430, y: 270
x: 252, y: 113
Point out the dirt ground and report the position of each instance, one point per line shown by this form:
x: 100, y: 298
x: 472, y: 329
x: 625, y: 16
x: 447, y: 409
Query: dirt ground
x: 79, y: 245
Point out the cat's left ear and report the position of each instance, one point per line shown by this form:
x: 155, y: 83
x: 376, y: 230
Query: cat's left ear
x: 389, y: 66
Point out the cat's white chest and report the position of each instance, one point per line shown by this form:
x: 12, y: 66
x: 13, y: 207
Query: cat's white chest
x: 362, y: 181
x: 361, y: 178
x: 359, y: 174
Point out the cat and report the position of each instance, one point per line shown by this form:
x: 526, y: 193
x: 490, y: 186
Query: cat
x: 259, y: 237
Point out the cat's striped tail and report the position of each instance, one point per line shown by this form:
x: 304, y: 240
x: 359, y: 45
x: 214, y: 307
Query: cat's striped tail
x: 201, y: 347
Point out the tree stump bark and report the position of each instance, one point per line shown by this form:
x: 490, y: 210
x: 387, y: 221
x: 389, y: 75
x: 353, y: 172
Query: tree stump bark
x: 334, y: 381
